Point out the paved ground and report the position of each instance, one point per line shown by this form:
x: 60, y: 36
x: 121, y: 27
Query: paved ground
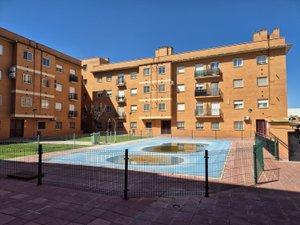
x: 271, y: 203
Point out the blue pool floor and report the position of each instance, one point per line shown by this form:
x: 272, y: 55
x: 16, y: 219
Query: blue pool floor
x: 192, y: 163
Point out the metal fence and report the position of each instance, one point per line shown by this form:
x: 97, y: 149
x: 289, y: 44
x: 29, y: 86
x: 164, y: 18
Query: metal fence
x: 129, y: 174
x: 270, y: 144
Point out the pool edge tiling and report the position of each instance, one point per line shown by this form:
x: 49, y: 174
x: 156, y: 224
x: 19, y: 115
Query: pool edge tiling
x: 192, y: 163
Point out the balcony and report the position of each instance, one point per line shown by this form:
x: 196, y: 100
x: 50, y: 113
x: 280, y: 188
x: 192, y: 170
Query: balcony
x: 121, y: 82
x: 121, y: 115
x: 208, y: 93
x: 73, y: 96
x: 73, y: 78
x: 209, y: 113
x: 120, y: 99
x: 208, y: 73
x: 72, y: 114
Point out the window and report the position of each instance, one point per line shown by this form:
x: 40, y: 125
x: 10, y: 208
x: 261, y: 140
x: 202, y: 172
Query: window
x: 84, y: 81
x: 238, y: 125
x: 72, y: 125
x: 45, y: 104
x: 180, y: 125
x: 146, y: 89
x: 58, y: 87
x: 108, y: 78
x: 26, y: 101
x: 45, y: 82
x: 1, y: 99
x: 161, y: 70
x: 147, y: 71
x: 58, y: 125
x: 214, y: 65
x: 238, y: 104
x: 27, y: 55
x: 215, y: 126
x: 100, y: 94
x: 180, y: 107
x: 109, y: 93
x: 59, y: 68
x: 199, y: 126
x: 72, y: 71
x: 120, y: 125
x: 262, y: 59
x: 161, y: 88
x: 146, y: 107
x: 108, y: 108
x: 148, y: 125
x: 133, y: 75
x: 133, y: 91
x: 180, y: 88
x: 99, y: 79
x: 263, y: 103
x: 238, y: 62
x: 1, y: 50
x: 46, y: 62
x: 262, y: 81
x: 27, y: 79
x: 133, y: 108
x: 161, y: 106
x: 133, y: 125
x: 238, y: 83
x: 180, y: 69
x: 58, y: 106
x: 41, y: 125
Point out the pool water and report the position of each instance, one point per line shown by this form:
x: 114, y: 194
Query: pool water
x: 163, y: 155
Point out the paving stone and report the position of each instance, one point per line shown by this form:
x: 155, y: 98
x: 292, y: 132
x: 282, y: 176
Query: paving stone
x: 5, y: 218
x: 99, y: 221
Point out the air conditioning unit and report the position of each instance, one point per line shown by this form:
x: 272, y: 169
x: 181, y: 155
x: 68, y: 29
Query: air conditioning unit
x: 12, y: 72
x: 246, y: 118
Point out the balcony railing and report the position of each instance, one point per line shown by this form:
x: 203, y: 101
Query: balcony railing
x: 207, y: 73
x: 208, y: 113
x: 73, y: 96
x: 210, y: 92
x: 73, y: 78
x: 121, y: 115
x: 120, y: 99
x: 121, y: 82
x: 72, y: 114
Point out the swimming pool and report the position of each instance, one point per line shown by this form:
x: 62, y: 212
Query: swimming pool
x: 187, y: 159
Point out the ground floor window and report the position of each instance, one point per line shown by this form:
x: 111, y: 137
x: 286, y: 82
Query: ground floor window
x: 180, y: 125
x: 199, y: 126
x: 41, y: 125
x: 148, y: 125
x: 72, y: 125
x: 58, y: 125
x: 238, y: 125
x: 120, y: 125
x: 133, y: 125
x: 215, y: 126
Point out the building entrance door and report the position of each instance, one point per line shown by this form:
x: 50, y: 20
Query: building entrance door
x: 294, y: 146
x: 261, y: 127
x: 166, y: 127
x: 16, y: 128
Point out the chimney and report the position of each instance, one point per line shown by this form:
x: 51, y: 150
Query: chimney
x: 163, y: 51
x: 261, y: 35
x: 275, y: 33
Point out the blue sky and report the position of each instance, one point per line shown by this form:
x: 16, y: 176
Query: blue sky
x: 128, y: 29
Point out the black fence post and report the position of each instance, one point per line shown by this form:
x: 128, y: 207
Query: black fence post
x: 255, y: 164
x: 126, y: 175
x: 40, y: 153
x: 206, y: 174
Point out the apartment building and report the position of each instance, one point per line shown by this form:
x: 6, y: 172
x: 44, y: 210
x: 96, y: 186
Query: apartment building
x: 40, y: 89
x: 227, y: 91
